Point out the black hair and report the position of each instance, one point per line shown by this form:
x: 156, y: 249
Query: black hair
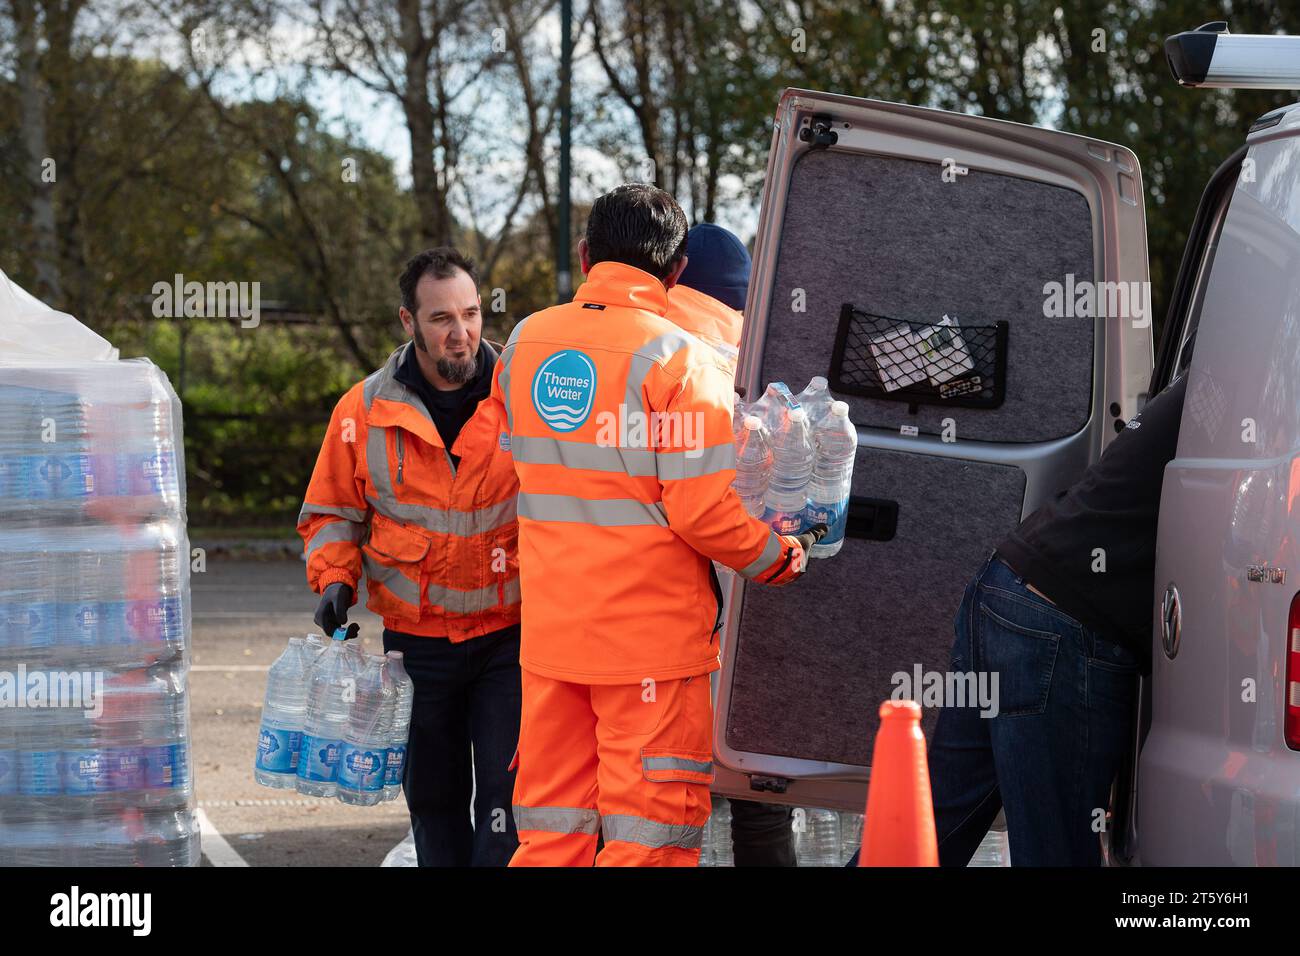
x: 441, y: 263
x: 639, y: 225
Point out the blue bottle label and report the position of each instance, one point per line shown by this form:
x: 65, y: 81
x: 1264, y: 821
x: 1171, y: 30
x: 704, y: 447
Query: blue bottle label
x: 278, y: 750
x: 784, y: 522
x: 86, y: 771
x: 79, y: 624
x: 38, y: 773
x: 362, y: 768
x: 319, y: 761
x: 834, y: 516
x: 28, y: 624
x: 166, y: 767
x: 393, y: 765
x: 8, y: 772
x: 126, y: 767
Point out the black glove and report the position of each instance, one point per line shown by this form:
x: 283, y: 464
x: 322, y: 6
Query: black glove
x: 332, y: 612
x: 812, y: 536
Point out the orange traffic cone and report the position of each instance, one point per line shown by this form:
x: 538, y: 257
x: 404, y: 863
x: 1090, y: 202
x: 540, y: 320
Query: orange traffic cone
x: 899, y: 828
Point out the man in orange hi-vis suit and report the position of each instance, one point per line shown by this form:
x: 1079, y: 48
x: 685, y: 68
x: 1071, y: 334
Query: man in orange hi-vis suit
x: 620, y: 429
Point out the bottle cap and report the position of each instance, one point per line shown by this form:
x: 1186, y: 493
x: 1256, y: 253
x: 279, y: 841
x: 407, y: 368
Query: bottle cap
x: 818, y: 384
x: 753, y: 423
x: 840, y: 408
x: 797, y: 414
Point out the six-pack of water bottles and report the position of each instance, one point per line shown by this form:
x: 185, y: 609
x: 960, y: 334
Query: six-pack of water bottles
x: 794, y: 460
x: 94, y: 584
x: 335, y: 721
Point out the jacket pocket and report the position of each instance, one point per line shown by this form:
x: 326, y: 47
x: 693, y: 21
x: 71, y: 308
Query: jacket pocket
x: 393, y: 557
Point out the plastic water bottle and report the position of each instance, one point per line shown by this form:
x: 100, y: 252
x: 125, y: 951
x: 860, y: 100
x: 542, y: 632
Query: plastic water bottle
x: 284, y: 714
x: 363, y: 758
x: 775, y: 404
x: 738, y: 415
x: 850, y: 836
x: 753, y: 466
x: 332, y: 684
x: 395, y: 761
x: 792, y: 465
x: 836, y: 442
x: 815, y: 400
x: 816, y: 836
x: 723, y: 853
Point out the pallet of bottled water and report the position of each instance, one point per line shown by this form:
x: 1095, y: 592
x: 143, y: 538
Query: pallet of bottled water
x: 335, y: 721
x: 94, y: 619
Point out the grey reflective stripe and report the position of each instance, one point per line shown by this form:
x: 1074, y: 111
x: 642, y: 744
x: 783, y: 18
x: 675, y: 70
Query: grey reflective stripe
x: 694, y: 464
x: 771, y: 552
x: 336, y: 531
x: 472, y: 602
x: 377, y: 466
x: 652, y: 353
x: 393, y: 579
x: 676, y: 763
x: 651, y: 833
x: 557, y: 819
x: 351, y: 514
x: 540, y: 450
x: 608, y: 513
x: 507, y: 353
x: 464, y: 524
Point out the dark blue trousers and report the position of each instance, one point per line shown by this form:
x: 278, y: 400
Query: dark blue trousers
x: 464, y: 729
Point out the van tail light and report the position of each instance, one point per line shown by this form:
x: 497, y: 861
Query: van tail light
x: 1292, y: 720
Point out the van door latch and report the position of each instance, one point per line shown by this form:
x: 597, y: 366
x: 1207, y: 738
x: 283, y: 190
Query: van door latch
x: 769, y: 784
x: 818, y: 132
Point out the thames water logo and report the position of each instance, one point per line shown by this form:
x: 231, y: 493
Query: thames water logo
x: 564, y: 390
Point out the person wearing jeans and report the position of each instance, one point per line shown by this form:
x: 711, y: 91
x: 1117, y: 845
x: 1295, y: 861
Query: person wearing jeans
x: 1061, y: 613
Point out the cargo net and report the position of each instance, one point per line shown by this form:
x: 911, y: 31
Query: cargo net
x: 922, y: 363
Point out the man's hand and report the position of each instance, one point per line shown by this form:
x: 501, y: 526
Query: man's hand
x: 794, y: 555
x: 332, y: 612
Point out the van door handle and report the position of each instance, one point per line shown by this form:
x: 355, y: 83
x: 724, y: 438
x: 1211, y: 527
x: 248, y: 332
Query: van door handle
x: 874, y: 519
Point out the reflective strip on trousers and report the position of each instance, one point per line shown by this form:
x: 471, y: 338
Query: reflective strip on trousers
x: 465, y: 524
x: 475, y: 601
x: 608, y: 512
x: 637, y: 462
x: 557, y: 819
x: 651, y: 833
x: 676, y: 763
x: 394, y: 580
x: 771, y: 552
x: 336, y: 531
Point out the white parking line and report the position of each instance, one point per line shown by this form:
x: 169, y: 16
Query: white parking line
x: 215, y: 847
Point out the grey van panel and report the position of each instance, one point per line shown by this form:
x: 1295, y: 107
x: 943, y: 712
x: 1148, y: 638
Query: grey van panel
x: 949, y: 250
x: 825, y: 659
x: 805, y: 668
x: 1217, y: 784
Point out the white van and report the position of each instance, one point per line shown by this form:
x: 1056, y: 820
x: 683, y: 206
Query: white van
x: 879, y: 217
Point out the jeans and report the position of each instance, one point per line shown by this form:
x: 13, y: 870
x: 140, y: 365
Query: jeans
x: 464, y: 728
x: 1065, y: 705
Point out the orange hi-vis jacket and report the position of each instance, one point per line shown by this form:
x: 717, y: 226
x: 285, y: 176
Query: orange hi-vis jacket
x: 438, y: 542
x: 620, y: 427
x: 712, y: 322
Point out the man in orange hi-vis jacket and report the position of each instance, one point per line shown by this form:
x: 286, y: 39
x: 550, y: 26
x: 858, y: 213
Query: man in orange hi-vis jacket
x: 620, y: 428
x: 415, y: 485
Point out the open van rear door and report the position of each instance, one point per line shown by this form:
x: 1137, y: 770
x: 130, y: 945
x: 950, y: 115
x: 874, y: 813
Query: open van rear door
x: 876, y: 218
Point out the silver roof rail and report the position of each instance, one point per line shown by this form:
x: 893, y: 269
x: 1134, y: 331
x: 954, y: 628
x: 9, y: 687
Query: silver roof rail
x: 1211, y: 56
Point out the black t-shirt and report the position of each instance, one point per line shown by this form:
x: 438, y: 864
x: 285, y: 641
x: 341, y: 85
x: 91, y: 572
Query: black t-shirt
x: 1106, y: 520
x: 450, y: 410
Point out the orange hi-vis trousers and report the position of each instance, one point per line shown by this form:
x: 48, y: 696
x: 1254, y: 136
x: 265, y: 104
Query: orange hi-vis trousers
x: 633, y: 762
